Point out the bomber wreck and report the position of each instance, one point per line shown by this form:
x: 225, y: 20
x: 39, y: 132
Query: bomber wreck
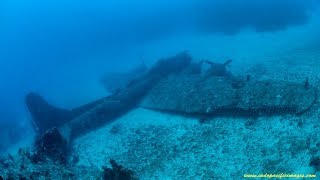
x: 173, y: 85
x: 178, y: 85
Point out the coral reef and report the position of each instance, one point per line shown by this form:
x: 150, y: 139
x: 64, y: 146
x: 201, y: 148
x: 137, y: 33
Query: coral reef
x: 51, y: 145
x: 22, y: 166
x: 48, y: 160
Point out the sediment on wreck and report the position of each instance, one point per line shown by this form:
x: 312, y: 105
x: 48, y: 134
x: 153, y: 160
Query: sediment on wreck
x: 221, y: 96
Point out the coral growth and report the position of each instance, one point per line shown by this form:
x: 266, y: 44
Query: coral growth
x: 22, y: 166
x: 51, y: 145
x: 48, y: 160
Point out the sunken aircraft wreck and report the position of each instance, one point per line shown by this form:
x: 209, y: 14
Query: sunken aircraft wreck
x: 178, y: 85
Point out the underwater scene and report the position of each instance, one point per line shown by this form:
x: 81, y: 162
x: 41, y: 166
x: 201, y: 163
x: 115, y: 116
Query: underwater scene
x: 150, y: 89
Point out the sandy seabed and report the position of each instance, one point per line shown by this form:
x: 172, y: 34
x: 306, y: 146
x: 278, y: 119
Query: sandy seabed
x: 160, y: 145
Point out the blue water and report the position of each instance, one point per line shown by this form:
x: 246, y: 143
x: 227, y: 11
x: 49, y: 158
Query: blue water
x: 61, y: 48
